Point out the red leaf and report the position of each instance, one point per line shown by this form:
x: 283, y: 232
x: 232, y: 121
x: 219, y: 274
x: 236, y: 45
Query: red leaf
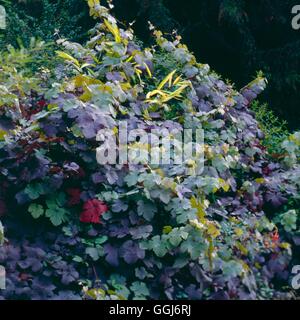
x: 92, y: 211
x: 74, y: 196
x: 42, y: 103
x: 275, y: 236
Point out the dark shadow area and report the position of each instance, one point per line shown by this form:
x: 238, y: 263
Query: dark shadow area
x: 236, y: 37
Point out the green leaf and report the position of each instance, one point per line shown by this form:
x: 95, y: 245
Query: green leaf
x: 2, y: 18
x: 232, y: 269
x: 289, y: 220
x: 159, y: 246
x: 181, y: 262
x: 116, y: 279
x: 93, y: 253
x: 61, y: 199
x: 77, y: 259
x: 56, y: 215
x: 165, y: 196
x: 34, y: 191
x: 67, y: 231
x: 51, y: 203
x: 140, y: 290
x: 146, y: 209
x: 101, y: 240
x: 176, y: 236
x: 108, y: 196
x: 194, y: 247
x: 118, y: 282
x: 55, y: 212
x: 36, y: 210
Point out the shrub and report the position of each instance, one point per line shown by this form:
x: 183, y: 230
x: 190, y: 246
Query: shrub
x: 44, y: 19
x: 141, y: 231
x: 274, y: 129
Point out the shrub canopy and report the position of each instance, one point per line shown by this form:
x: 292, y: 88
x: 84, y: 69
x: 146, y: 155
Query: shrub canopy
x: 80, y: 229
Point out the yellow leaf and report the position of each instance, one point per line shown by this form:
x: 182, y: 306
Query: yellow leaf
x: 285, y: 245
x: 93, y: 3
x: 160, y: 172
x: 168, y: 78
x: 167, y: 229
x: 295, y: 139
x: 85, y: 65
x: 234, y: 220
x: 94, y: 293
x: 106, y: 88
x: 260, y: 180
x: 129, y: 59
x: 111, y: 292
x: 2, y: 134
x: 114, y: 30
x: 169, y: 184
x: 195, y: 223
x: 87, y: 96
x: 225, y: 148
x: 82, y: 80
x: 123, y: 110
x: 52, y: 106
x: 238, y: 231
x: 177, y: 80
x: 146, y: 115
x: 243, y: 250
x: 138, y: 71
x: 148, y: 70
x: 125, y: 86
x: 68, y: 57
x: 210, y: 252
x: 153, y: 93
x: 257, y: 265
x: 224, y: 185
x: 176, y: 93
x: 157, y: 33
x: 215, y: 190
x: 212, y: 230
x: 245, y: 266
x: 196, y: 204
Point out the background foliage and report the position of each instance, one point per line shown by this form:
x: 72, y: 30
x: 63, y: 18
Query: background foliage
x: 44, y: 19
x: 236, y: 37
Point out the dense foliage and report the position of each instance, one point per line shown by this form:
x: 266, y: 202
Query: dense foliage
x: 77, y: 229
x: 235, y: 37
x: 44, y: 19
